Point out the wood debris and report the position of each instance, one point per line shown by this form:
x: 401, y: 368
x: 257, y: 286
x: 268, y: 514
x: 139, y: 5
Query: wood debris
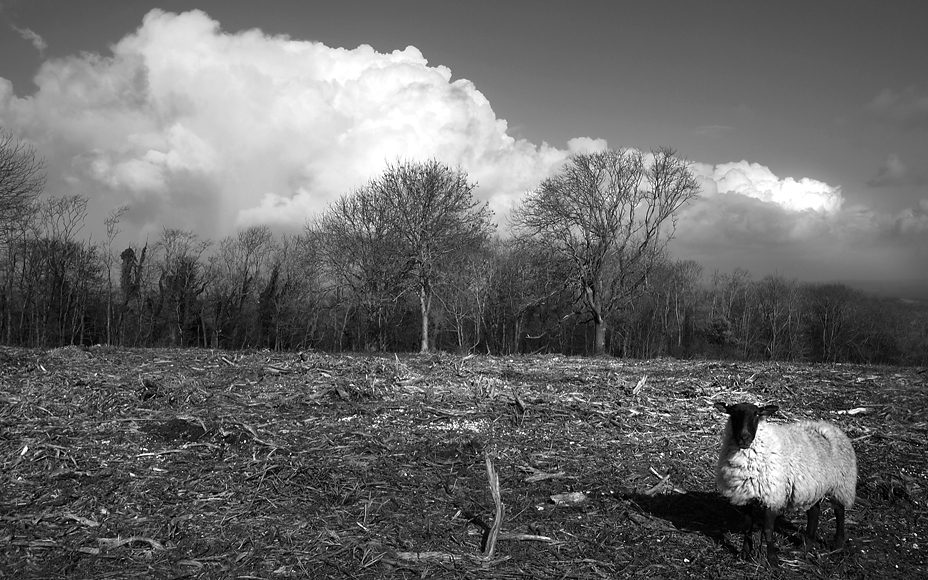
x: 168, y: 463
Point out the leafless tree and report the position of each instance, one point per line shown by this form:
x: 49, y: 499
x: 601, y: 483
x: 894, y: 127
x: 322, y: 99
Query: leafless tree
x: 436, y: 216
x: 832, y: 313
x: 611, y: 214
x: 58, y: 275
x: 525, y: 278
x: 679, y: 295
x: 109, y: 258
x: 22, y: 177
x: 360, y: 248
x: 236, y: 273
x: 180, y: 283
x: 779, y: 306
x: 462, y: 292
x: 290, y: 305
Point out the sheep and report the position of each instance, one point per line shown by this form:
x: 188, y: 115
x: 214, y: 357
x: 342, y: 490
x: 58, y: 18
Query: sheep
x: 784, y: 466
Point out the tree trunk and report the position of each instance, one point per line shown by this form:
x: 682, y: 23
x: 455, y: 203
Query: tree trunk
x: 424, y: 302
x: 600, y: 332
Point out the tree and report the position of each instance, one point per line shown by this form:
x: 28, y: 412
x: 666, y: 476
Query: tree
x: 435, y: 217
x: 132, y: 274
x: 830, y: 319
x: 57, y: 276
x: 526, y: 299
x: 21, y: 178
x: 779, y: 314
x: 109, y: 258
x: 235, y: 276
x: 361, y: 250
x: 678, y: 293
x: 611, y: 215
x: 296, y: 304
x: 21, y: 182
x: 462, y: 293
x: 180, y: 284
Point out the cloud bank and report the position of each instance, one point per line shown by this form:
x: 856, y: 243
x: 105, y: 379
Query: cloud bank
x: 197, y: 128
x: 750, y: 217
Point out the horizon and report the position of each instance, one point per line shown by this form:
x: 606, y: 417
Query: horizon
x: 810, y: 151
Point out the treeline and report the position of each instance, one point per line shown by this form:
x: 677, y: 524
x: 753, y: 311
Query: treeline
x: 502, y: 296
x: 410, y: 261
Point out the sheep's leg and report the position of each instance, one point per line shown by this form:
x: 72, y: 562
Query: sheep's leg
x: 747, y: 546
x: 811, y: 527
x: 770, y: 518
x: 839, y: 524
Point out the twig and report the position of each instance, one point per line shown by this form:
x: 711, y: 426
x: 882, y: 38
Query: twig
x: 490, y: 548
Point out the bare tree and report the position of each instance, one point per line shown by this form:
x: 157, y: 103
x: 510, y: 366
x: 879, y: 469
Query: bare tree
x: 109, y: 258
x: 525, y: 279
x: 679, y: 295
x: 436, y: 216
x: 21, y: 181
x: 58, y: 273
x: 360, y: 248
x: 611, y: 214
x: 462, y: 292
x: 291, y: 300
x: 779, y: 315
x: 21, y: 177
x: 831, y: 319
x: 235, y: 277
x: 180, y: 283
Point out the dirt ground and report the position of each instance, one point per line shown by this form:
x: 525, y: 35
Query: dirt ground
x: 118, y: 463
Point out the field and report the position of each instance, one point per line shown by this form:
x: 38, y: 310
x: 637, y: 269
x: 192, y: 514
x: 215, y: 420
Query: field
x: 118, y: 463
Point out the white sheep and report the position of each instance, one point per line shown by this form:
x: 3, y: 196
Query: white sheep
x: 784, y: 466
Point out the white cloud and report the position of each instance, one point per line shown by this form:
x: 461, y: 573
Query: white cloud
x: 586, y: 145
x: 205, y: 130
x: 248, y: 127
x: 749, y: 217
x: 757, y: 181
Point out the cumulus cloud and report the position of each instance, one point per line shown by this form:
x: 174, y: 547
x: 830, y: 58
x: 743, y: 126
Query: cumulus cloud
x: 579, y: 145
x: 758, y: 182
x: 32, y: 37
x: 746, y: 205
x: 907, y: 109
x: 747, y: 216
x: 201, y: 129
x: 198, y: 128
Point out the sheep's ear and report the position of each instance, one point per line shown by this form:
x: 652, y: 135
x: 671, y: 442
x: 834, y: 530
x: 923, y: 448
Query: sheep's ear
x: 769, y: 410
x: 721, y: 407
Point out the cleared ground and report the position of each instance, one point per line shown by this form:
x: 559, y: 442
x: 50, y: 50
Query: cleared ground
x: 120, y: 463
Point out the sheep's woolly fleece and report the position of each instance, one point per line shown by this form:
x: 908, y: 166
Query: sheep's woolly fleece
x: 788, y: 466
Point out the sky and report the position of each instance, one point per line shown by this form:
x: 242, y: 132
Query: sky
x: 806, y: 123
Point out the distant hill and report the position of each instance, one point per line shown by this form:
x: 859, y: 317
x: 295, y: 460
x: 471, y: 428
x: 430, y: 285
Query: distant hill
x: 903, y: 289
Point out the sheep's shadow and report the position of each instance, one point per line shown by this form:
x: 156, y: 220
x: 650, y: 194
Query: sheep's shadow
x: 705, y: 513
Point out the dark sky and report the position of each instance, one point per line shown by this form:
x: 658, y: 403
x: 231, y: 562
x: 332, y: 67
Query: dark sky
x: 807, y: 120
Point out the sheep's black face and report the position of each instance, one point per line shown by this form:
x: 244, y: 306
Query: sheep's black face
x: 745, y: 418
